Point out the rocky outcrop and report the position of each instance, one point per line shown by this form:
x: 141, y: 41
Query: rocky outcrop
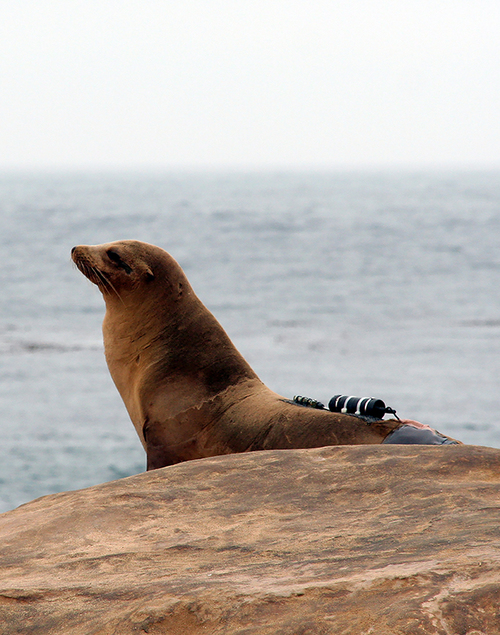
x: 351, y: 540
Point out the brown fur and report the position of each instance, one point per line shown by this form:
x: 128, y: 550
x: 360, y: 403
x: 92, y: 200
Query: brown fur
x: 189, y: 392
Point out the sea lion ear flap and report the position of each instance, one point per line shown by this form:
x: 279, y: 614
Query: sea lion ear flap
x: 149, y: 274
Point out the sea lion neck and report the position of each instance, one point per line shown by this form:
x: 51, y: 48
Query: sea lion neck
x: 162, y: 333
x: 131, y: 324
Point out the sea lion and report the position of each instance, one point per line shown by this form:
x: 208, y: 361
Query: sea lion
x: 189, y: 392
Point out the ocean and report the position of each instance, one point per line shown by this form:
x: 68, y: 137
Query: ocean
x: 374, y: 284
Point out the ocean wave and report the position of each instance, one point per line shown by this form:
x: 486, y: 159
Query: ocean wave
x: 45, y: 347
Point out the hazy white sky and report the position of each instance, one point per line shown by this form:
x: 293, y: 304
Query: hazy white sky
x: 249, y: 83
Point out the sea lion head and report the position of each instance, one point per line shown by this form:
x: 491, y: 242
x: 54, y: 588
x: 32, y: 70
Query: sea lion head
x: 125, y: 269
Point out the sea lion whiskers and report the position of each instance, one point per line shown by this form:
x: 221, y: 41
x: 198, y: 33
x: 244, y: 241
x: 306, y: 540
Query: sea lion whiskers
x: 106, y: 282
x: 96, y: 276
x: 87, y: 270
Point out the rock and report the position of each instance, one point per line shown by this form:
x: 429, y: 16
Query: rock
x: 351, y: 540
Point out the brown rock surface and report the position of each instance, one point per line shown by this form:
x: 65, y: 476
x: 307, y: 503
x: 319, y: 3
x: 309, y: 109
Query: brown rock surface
x: 351, y: 540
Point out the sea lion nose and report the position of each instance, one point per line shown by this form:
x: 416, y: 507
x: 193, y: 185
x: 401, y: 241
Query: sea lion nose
x: 73, y: 250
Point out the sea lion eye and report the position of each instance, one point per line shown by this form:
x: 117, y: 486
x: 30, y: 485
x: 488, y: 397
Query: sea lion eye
x: 114, y: 257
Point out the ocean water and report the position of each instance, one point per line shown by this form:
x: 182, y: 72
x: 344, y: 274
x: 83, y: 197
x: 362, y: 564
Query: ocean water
x: 371, y: 284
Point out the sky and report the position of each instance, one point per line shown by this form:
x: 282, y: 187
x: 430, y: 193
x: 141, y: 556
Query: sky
x: 249, y: 84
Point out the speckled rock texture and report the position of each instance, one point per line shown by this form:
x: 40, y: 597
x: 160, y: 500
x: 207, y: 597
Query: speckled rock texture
x: 347, y: 540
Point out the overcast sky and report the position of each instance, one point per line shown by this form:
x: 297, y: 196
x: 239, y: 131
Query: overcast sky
x: 249, y: 83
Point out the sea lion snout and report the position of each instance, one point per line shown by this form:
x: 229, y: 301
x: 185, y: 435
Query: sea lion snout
x: 74, y: 251
x: 80, y: 253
